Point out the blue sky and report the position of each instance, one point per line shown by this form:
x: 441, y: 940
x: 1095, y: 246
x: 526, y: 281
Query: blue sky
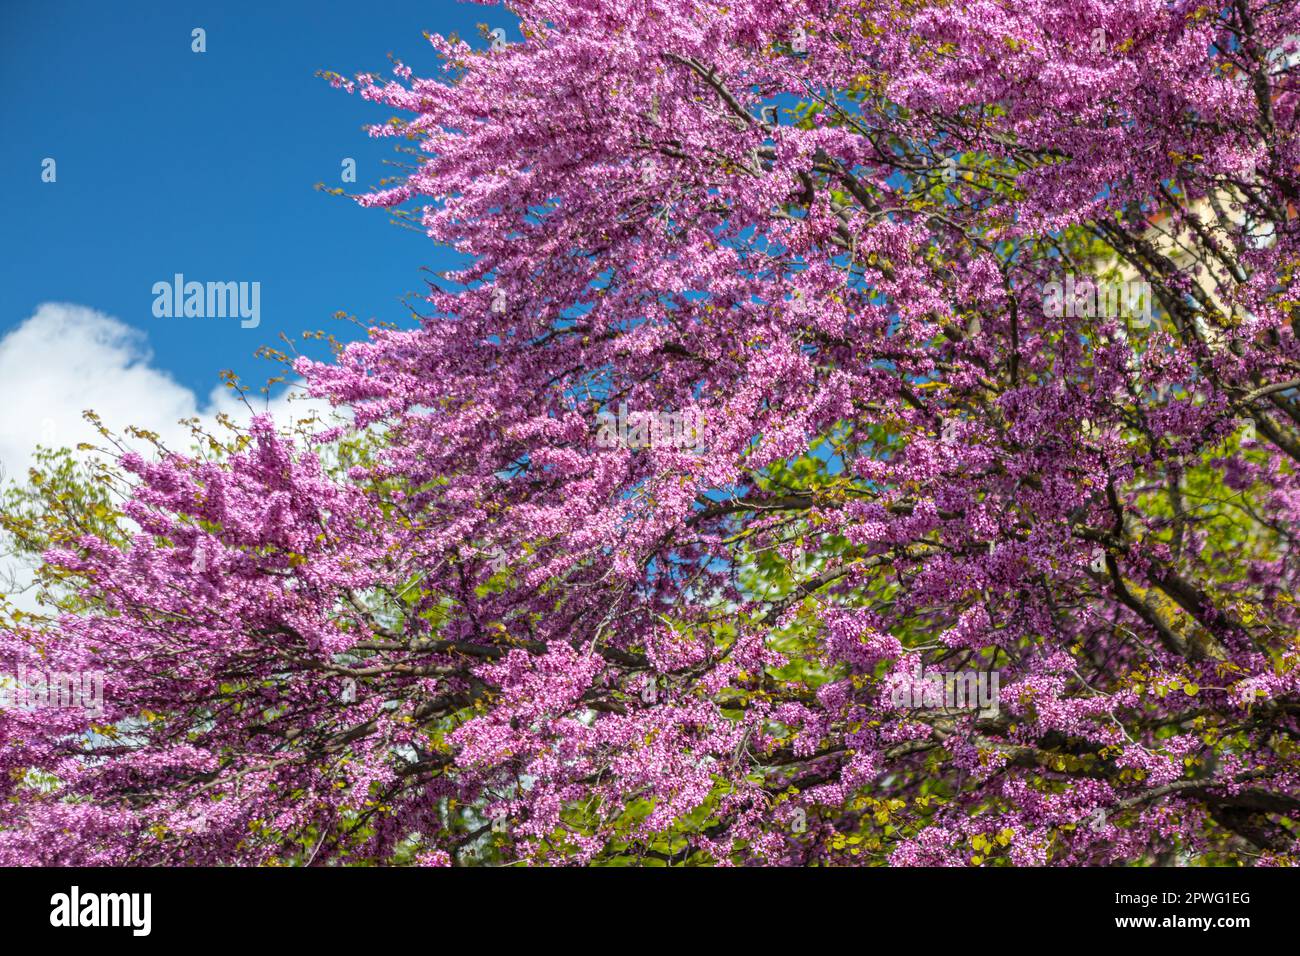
x: 204, y: 164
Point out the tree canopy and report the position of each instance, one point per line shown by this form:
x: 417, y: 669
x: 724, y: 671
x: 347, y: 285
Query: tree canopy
x: 980, y: 316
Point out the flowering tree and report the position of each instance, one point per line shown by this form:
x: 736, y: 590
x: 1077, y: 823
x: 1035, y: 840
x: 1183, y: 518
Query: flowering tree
x: 983, y: 308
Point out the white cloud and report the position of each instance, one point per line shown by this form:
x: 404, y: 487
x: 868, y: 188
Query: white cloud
x: 66, y: 358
